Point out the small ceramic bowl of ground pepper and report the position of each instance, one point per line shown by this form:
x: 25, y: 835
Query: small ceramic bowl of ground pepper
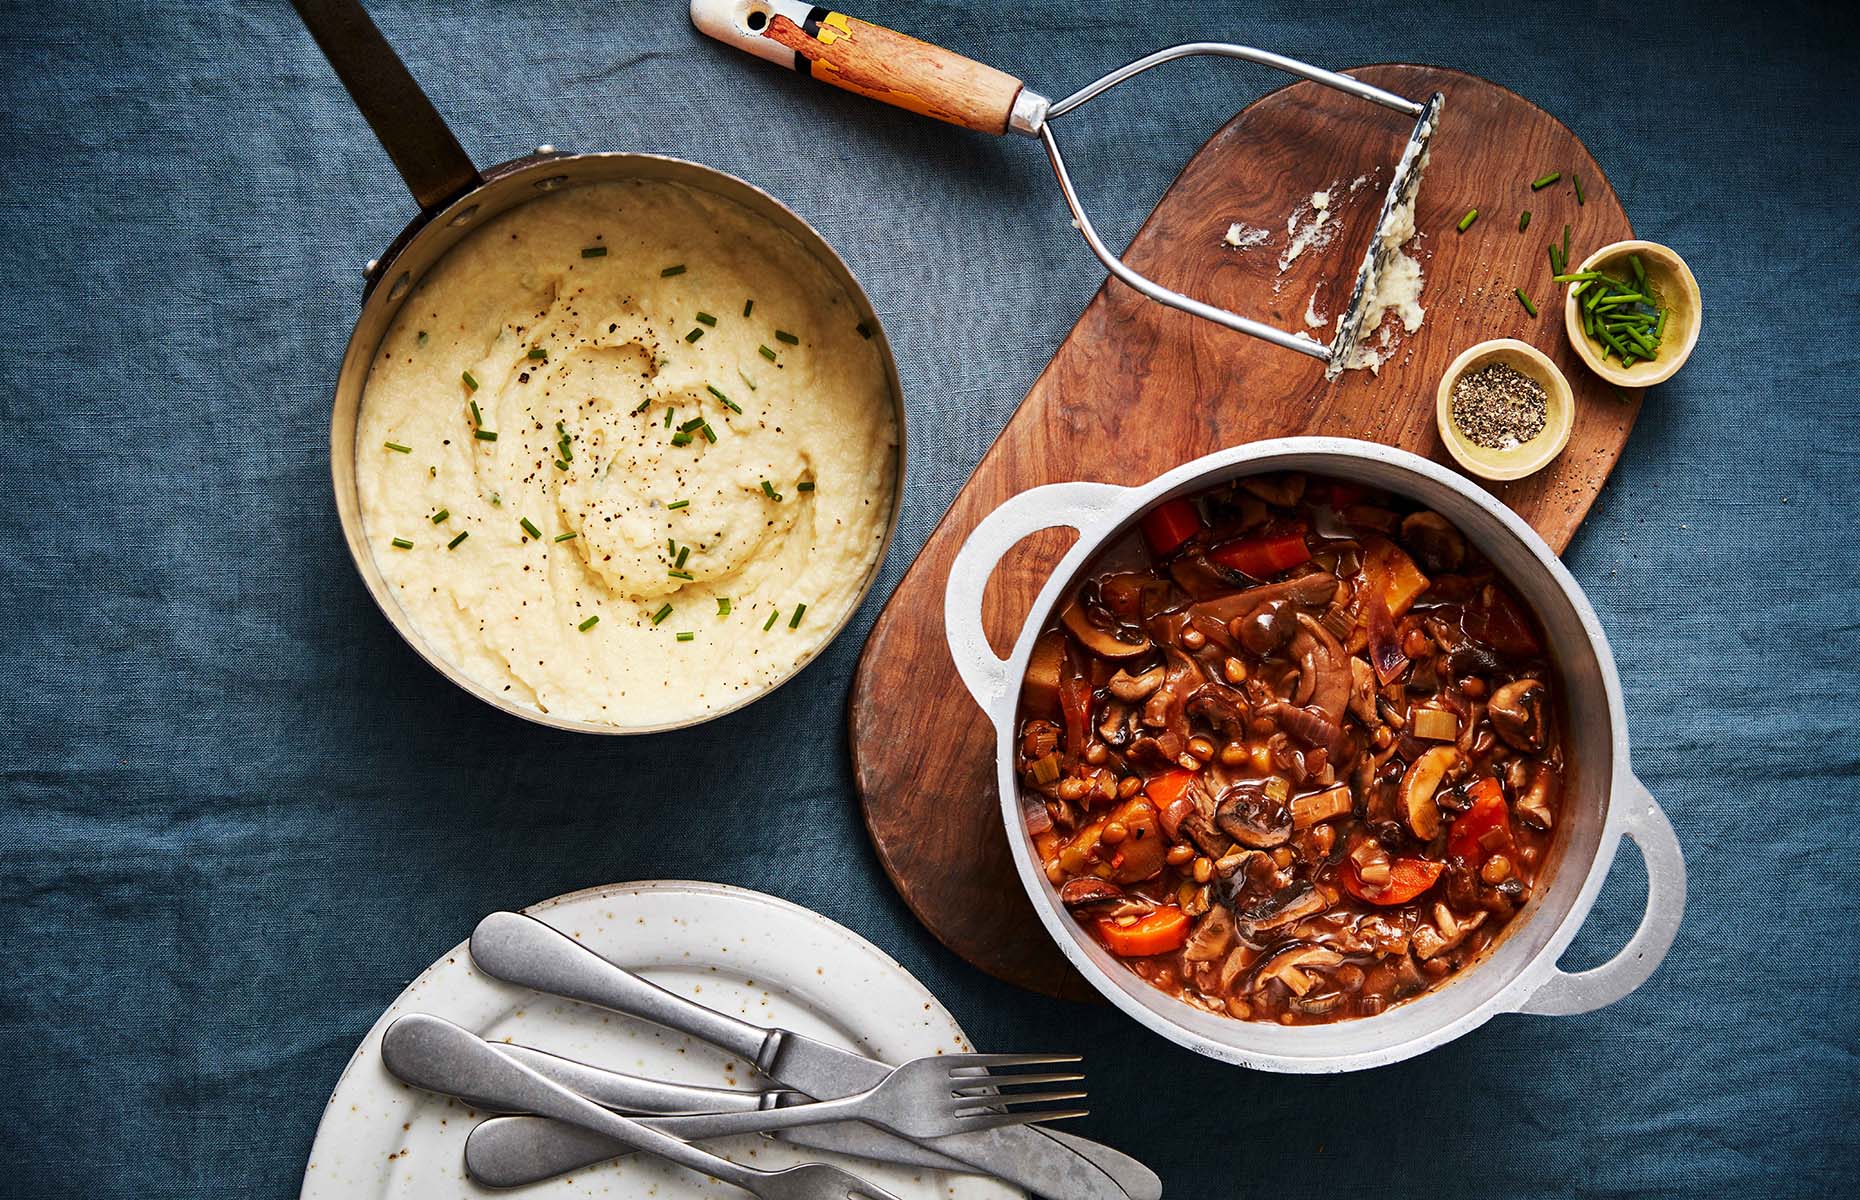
x: 1504, y: 410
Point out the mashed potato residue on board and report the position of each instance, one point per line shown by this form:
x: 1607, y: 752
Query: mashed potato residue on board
x: 643, y: 448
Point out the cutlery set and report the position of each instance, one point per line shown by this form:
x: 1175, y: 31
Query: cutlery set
x: 552, y: 1115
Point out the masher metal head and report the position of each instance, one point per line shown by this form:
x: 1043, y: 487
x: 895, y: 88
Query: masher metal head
x: 885, y: 65
x: 1033, y: 115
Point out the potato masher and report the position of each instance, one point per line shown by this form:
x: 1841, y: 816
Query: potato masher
x: 874, y: 61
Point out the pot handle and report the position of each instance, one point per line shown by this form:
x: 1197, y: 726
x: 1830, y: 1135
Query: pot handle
x: 1086, y: 507
x: 1563, y: 994
x: 431, y: 161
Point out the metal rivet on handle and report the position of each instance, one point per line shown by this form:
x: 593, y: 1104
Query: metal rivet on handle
x: 464, y: 218
x: 400, y: 286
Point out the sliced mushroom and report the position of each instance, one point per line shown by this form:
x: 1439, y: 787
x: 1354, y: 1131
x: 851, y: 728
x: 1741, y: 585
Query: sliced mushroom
x: 1309, y: 726
x: 1317, y: 1006
x: 1314, y: 590
x: 1286, y: 906
x: 1220, y: 706
x: 1433, y: 540
x: 1132, y: 688
x: 1474, y: 658
x: 1282, y: 488
x: 1518, y: 716
x: 1211, y: 937
x: 1103, y: 642
x: 1363, y: 691
x: 1288, y: 966
x: 1088, y: 890
x: 1323, y: 669
x: 1163, y: 749
x: 1238, y: 960
x: 1165, y: 709
x: 1429, y: 941
x: 1534, y: 804
x: 1254, y: 813
x: 1114, y: 728
x: 1209, y: 840
x: 1418, y: 786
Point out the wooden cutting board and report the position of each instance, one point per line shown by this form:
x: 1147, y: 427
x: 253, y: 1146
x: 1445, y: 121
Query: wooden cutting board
x: 1136, y: 389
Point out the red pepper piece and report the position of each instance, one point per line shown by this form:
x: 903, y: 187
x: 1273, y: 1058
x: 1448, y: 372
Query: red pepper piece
x: 1170, y: 524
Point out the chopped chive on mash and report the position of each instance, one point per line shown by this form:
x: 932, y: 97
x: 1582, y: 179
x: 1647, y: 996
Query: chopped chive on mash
x: 470, y: 381
x: 723, y: 606
x: 679, y: 504
x: 590, y: 623
x: 403, y: 543
x: 454, y: 543
x: 485, y: 435
x: 765, y: 352
x: 441, y: 515
x: 770, y: 623
x: 782, y: 335
x: 794, y: 622
x: 668, y: 272
x: 687, y: 637
x: 563, y: 537
x: 529, y: 528
x: 398, y: 448
x: 705, y: 318
x: 661, y: 614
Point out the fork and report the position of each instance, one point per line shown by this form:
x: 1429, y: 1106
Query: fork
x: 437, y: 1055
x: 511, y: 1151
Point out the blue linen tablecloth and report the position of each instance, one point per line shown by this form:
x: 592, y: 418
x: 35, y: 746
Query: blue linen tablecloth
x: 238, y: 814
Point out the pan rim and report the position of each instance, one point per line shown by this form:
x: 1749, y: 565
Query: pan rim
x: 546, y: 171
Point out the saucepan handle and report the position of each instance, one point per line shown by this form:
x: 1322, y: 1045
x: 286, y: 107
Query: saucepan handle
x: 1090, y: 508
x: 409, y: 128
x: 1564, y: 994
x: 871, y: 61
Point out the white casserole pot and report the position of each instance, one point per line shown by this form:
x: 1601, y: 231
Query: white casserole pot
x: 1602, y: 800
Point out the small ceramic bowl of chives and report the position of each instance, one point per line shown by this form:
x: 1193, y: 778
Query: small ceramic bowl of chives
x: 1659, y: 308
x: 1501, y: 463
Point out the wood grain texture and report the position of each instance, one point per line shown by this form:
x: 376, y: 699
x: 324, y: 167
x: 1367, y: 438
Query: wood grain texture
x: 1136, y: 389
x: 898, y: 69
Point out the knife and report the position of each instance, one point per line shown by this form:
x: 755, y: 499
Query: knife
x: 514, y: 1150
x: 524, y: 951
x: 551, y: 1147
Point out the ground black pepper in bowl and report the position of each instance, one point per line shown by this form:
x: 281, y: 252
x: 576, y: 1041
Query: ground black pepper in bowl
x: 1499, y: 407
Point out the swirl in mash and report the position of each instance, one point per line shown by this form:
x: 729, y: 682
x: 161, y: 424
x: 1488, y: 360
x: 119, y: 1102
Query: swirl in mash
x: 589, y: 551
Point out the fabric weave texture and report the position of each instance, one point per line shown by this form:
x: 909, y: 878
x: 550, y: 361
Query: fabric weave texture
x: 237, y: 813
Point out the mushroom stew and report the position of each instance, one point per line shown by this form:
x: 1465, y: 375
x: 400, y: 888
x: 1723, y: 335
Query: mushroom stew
x: 1290, y: 750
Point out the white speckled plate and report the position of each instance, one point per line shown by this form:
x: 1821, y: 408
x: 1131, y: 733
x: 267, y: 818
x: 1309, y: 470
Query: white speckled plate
x: 739, y: 951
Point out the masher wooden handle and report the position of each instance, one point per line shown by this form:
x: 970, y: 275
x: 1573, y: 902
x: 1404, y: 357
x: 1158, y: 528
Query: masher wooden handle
x: 871, y: 60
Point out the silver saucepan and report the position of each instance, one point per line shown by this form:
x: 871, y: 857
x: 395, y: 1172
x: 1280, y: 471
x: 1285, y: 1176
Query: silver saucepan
x: 1602, y: 798
x: 456, y: 198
